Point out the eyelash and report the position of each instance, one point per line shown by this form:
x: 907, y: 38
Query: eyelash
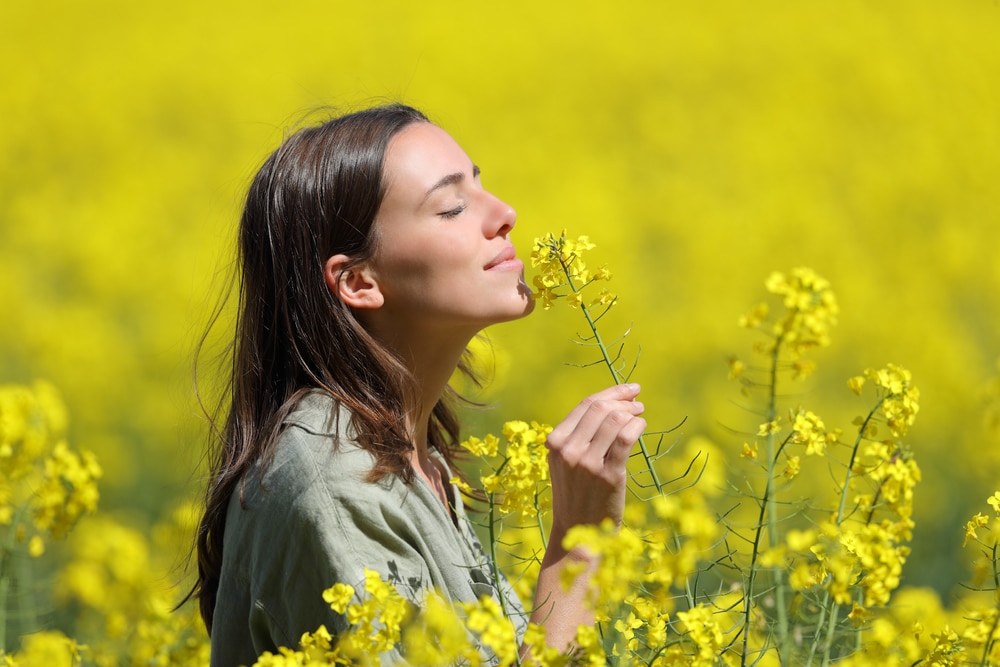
x: 453, y: 213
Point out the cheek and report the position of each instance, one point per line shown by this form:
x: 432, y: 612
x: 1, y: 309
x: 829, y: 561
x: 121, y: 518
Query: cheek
x: 421, y: 271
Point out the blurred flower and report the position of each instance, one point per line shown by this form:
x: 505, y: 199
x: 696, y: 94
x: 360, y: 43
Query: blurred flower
x: 810, y: 310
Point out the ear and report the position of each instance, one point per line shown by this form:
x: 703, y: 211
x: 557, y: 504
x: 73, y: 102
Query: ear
x: 354, y: 285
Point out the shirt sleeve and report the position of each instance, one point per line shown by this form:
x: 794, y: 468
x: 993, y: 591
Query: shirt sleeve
x: 313, y: 520
x: 333, y: 527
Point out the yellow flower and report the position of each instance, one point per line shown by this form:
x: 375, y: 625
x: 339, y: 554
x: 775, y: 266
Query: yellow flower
x: 805, y: 576
x: 36, y: 546
x: 702, y: 628
x: 339, y: 596
x: 482, y: 447
x: 438, y: 636
x: 768, y: 428
x: 561, y: 265
x: 947, y: 650
x: 859, y: 615
x: 486, y: 618
x: 800, y: 540
x: 591, y: 649
x: 46, y: 648
x: 463, y: 486
x: 978, y: 521
x: 994, y: 502
x: 755, y: 317
x: 811, y: 310
x: 604, y: 297
x: 773, y: 557
x: 802, y: 368
x: 792, y: 467
x: 808, y: 429
x: 523, y: 475
x: 900, y: 399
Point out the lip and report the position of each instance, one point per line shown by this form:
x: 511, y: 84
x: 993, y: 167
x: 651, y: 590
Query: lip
x: 505, y: 260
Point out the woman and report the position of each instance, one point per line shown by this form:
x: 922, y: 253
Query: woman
x: 370, y: 256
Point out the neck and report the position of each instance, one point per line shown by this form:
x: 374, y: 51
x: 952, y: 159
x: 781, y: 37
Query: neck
x: 431, y: 354
x: 432, y: 362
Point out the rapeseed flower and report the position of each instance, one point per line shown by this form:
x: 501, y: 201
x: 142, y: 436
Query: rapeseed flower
x: 560, y: 265
x: 810, y: 310
x: 486, y: 618
x: 521, y: 477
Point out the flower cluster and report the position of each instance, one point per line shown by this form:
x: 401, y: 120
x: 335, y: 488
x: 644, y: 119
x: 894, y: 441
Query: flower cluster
x: 810, y: 311
x: 691, y: 578
x: 824, y: 574
x: 521, y: 477
x: 560, y: 265
x: 899, y: 398
x: 383, y: 622
x: 45, y: 486
x: 982, y: 633
x: 115, y: 579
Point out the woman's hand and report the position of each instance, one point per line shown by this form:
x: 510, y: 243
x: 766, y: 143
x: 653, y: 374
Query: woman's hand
x: 587, y: 456
x: 588, y: 452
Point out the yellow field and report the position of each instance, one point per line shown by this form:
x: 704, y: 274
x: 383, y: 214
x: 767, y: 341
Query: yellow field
x: 699, y: 145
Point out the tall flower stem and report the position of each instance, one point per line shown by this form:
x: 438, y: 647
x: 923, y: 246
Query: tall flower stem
x: 607, y: 360
x: 6, y: 577
x: 5, y: 558
x: 831, y: 623
x: 771, y: 506
x: 768, y: 520
x: 990, y: 638
x: 497, y: 576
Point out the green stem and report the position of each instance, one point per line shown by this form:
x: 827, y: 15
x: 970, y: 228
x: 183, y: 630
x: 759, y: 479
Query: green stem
x: 819, y: 624
x: 830, y: 629
x: 854, y: 455
x: 752, y: 579
x: 6, y: 564
x: 845, y: 488
x: 542, y: 531
x: 988, y: 647
x: 495, y: 567
x: 608, y: 362
x: 772, y: 507
x: 4, y: 587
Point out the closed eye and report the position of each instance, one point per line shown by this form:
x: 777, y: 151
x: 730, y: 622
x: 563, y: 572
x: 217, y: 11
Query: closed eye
x: 453, y: 213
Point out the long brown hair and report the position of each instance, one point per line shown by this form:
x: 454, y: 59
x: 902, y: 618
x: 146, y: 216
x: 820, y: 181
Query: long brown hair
x: 316, y: 196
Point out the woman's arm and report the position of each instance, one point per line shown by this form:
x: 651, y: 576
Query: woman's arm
x: 588, y: 453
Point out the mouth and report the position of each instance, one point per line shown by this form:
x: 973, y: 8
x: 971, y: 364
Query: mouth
x: 505, y: 260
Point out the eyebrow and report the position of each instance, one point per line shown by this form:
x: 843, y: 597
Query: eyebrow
x: 450, y: 179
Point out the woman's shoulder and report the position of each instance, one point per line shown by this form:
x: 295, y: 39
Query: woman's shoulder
x: 317, y: 446
x: 318, y: 413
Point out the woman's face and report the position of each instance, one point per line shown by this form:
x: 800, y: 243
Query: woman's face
x: 444, y: 259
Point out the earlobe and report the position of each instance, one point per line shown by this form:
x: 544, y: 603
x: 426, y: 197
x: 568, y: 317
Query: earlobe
x: 355, y: 285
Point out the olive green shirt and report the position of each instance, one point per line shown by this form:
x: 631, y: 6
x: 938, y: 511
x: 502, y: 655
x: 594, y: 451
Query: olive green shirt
x: 315, y: 521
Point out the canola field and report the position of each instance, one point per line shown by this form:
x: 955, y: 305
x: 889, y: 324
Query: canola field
x: 700, y: 146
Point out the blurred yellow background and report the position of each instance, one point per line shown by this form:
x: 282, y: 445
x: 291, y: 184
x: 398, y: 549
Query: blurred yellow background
x: 699, y: 145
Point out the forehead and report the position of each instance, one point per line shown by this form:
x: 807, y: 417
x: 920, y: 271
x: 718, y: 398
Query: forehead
x: 421, y: 154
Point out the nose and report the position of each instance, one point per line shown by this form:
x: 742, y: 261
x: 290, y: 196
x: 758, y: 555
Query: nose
x: 502, y: 218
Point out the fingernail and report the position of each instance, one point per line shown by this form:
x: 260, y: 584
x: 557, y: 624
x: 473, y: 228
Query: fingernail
x: 634, y: 386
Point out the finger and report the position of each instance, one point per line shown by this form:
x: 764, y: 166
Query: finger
x: 575, y: 444
x: 621, y: 448
x: 616, y: 432
x: 619, y: 392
